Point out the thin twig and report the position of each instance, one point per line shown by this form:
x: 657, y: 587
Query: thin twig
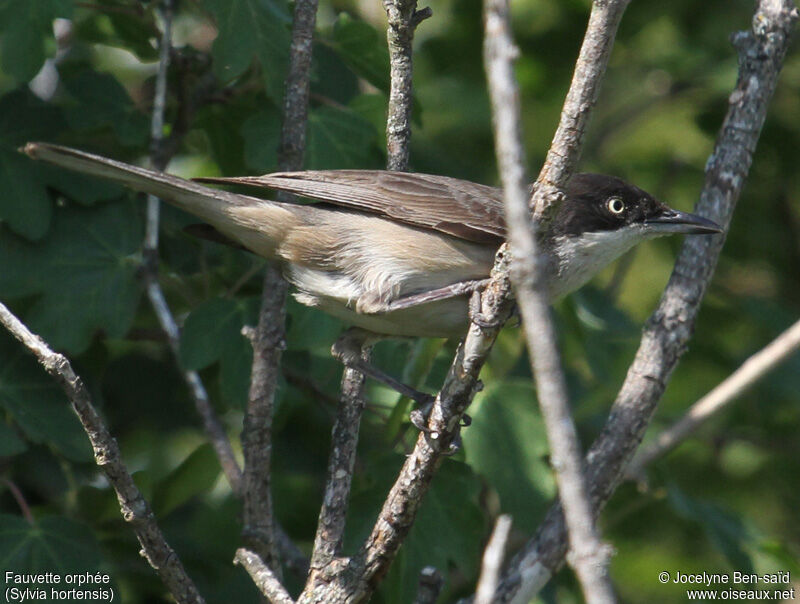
x: 752, y: 370
x: 492, y: 561
x: 761, y: 54
x: 135, y: 509
x: 266, y: 581
x: 211, y: 424
x: 16, y: 493
x: 403, y: 18
x: 268, y: 339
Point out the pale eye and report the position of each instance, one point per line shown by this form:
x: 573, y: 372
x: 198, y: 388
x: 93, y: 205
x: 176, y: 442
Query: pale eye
x: 615, y: 205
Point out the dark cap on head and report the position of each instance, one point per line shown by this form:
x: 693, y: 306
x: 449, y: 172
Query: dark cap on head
x: 597, y: 202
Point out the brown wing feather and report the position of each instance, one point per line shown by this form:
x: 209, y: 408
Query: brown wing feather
x: 457, y: 207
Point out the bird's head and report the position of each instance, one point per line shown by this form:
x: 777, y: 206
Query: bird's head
x: 598, y: 203
x: 601, y: 218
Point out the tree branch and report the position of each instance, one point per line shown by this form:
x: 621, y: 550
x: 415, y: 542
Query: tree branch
x: 589, y: 557
x: 761, y: 53
x: 492, y: 561
x: 266, y: 581
x: 403, y: 20
x: 752, y: 370
x: 135, y: 509
x: 268, y: 339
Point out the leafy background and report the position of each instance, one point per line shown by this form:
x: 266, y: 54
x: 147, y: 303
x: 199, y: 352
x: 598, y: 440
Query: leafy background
x: 726, y: 500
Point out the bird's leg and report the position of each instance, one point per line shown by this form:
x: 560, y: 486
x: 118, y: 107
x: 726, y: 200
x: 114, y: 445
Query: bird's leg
x: 442, y: 293
x: 347, y: 350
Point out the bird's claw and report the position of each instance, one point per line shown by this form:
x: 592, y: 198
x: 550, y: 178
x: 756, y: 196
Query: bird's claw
x: 477, y: 316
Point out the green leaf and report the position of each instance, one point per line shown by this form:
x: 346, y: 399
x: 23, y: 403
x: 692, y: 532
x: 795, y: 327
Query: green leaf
x: 25, y: 203
x: 53, y: 544
x: 24, y: 25
x: 447, y: 533
x: 506, y: 425
x: 247, y: 29
x: 99, y: 100
x: 729, y: 534
x: 85, y: 274
x: 340, y: 138
x: 36, y: 404
x: 10, y: 443
x: 262, y: 135
x: 195, y: 475
x: 364, y: 49
x: 213, y: 332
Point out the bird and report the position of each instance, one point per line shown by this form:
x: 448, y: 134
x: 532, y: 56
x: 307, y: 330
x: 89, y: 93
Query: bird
x: 398, y: 253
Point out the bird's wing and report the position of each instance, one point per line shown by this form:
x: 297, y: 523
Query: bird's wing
x: 457, y: 207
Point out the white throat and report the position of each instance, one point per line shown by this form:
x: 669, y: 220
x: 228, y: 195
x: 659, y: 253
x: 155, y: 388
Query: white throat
x: 579, y: 258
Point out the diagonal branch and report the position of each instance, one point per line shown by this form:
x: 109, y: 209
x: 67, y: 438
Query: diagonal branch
x: 589, y: 557
x: 135, y: 509
x: 761, y: 54
x: 752, y: 370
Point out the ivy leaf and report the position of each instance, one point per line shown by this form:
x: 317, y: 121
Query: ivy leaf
x: 25, y: 25
x: 247, y: 29
x: 84, y: 274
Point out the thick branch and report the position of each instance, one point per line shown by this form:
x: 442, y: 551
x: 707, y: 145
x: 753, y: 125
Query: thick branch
x: 135, y: 509
x: 268, y: 339
x: 589, y: 556
x: 752, y: 370
x: 761, y: 53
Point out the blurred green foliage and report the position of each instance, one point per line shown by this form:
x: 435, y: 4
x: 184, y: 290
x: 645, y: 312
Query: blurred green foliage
x: 726, y: 500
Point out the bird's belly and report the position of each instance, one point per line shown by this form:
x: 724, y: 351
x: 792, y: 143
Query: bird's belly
x: 337, y: 294
x: 439, y: 319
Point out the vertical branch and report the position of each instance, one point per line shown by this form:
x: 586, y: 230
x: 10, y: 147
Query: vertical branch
x: 761, y: 53
x: 403, y: 20
x: 267, y: 339
x: 135, y: 509
x: 589, y: 557
x: 159, y: 159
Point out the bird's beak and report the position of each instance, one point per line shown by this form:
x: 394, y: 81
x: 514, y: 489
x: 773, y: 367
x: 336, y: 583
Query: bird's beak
x: 672, y: 221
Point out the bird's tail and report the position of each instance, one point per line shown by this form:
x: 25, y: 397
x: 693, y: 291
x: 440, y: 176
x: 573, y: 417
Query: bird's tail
x: 256, y: 223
